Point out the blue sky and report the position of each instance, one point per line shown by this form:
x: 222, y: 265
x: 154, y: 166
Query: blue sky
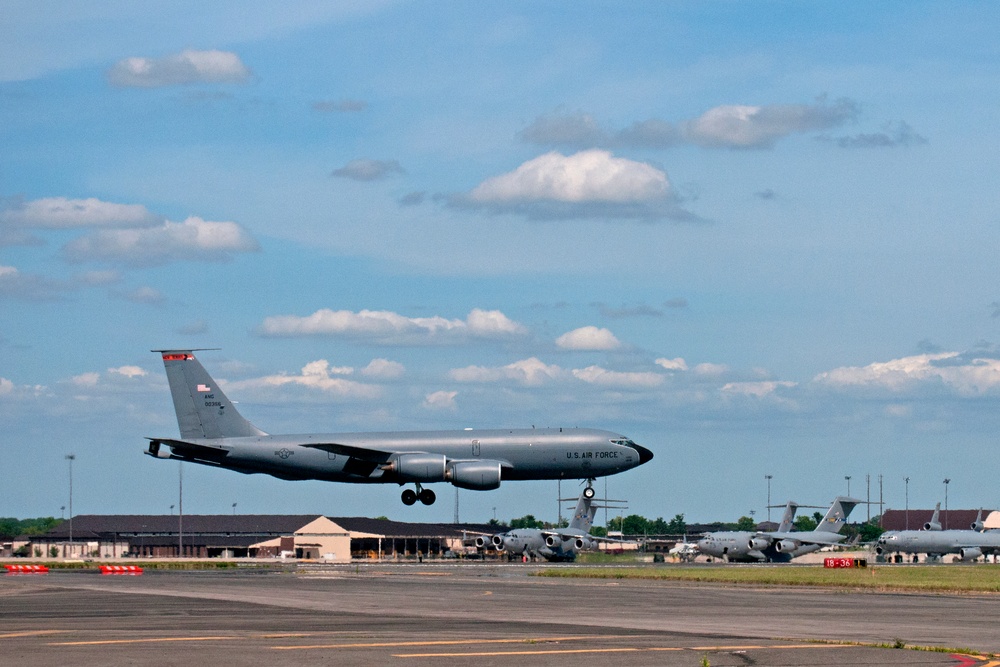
x: 758, y: 238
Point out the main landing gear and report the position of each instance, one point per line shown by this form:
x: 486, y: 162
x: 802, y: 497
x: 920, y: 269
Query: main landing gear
x: 426, y: 496
x: 589, y: 491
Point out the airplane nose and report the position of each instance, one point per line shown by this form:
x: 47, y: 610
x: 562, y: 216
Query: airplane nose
x: 645, y: 456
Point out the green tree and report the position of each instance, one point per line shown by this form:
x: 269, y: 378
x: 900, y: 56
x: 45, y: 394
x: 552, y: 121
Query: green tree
x: 677, y: 525
x: 527, y: 521
x: 804, y: 523
x: 635, y: 525
x: 746, y: 523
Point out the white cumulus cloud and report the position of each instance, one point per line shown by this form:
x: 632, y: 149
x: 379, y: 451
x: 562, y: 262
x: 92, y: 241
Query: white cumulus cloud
x: 590, y: 183
x: 440, y: 400
x: 128, y: 371
x: 64, y: 213
x: 588, y: 338
x: 193, y: 239
x: 747, y: 126
x: 757, y: 389
x: 604, y: 377
x: 967, y: 374
x: 383, y: 369
x: 388, y: 327
x: 186, y: 67
x: 587, y: 176
x: 531, y: 372
x: 677, y: 364
x: 319, y: 375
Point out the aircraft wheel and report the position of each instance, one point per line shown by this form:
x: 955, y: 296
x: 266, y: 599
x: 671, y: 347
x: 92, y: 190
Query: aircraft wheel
x: 588, y: 492
x: 427, y: 497
x: 409, y: 497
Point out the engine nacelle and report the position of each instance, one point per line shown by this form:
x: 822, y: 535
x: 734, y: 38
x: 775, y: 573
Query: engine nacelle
x: 932, y: 525
x: 475, y: 475
x: 758, y: 543
x: 417, y: 467
x: 970, y: 553
x: 553, y: 541
x: 785, y: 546
x: 497, y: 541
x: 978, y: 526
x: 583, y: 544
x: 482, y: 542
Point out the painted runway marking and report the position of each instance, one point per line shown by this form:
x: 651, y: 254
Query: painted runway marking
x: 651, y: 649
x: 440, y: 642
x: 104, y: 642
x: 31, y: 633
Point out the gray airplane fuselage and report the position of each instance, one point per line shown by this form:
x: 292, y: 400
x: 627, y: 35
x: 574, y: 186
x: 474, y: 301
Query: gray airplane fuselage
x: 734, y: 546
x: 968, y: 544
x: 548, y: 453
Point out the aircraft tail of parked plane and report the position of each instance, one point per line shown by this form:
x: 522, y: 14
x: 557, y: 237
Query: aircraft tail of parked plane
x: 837, y: 515
x: 203, y: 409
x: 935, y: 522
x: 788, y: 517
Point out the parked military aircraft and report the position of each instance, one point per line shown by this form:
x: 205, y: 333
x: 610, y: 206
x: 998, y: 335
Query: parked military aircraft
x: 213, y: 433
x: 935, y: 542
x: 555, y: 544
x: 783, y: 544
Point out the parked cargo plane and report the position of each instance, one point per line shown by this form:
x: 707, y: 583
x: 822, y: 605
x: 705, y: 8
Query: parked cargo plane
x: 935, y: 542
x: 213, y: 433
x: 552, y: 544
x: 783, y: 544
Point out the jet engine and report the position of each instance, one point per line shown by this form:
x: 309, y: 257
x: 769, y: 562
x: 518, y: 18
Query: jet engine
x: 932, y: 525
x: 553, y: 541
x: 417, y: 467
x: 758, y: 543
x: 583, y: 544
x: 978, y: 526
x: 785, y: 546
x: 475, y: 475
x: 497, y: 541
x: 482, y: 542
x: 970, y: 553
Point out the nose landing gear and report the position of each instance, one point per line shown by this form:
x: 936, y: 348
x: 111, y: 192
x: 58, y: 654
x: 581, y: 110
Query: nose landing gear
x: 426, y: 496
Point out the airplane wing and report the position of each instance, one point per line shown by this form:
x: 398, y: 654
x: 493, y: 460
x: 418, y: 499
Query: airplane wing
x: 361, y: 461
x: 806, y: 537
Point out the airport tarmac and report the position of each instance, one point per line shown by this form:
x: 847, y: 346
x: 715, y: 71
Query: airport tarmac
x: 466, y: 614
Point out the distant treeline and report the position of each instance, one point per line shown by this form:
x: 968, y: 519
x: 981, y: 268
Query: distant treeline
x: 11, y: 527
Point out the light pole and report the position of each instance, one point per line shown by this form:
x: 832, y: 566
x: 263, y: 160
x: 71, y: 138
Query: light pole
x: 768, y: 478
x: 848, y: 478
x: 234, y: 509
x: 946, y: 482
x: 71, y: 458
x: 907, y: 480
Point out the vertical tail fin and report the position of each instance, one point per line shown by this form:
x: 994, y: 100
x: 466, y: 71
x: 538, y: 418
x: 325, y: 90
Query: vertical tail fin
x: 935, y: 522
x: 583, y: 516
x: 837, y: 515
x: 788, y: 517
x: 203, y: 410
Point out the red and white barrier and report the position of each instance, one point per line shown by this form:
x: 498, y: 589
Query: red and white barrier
x: 120, y: 569
x: 26, y: 569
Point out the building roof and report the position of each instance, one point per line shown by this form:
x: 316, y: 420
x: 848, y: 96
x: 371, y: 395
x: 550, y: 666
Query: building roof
x: 92, y: 527
x: 952, y: 519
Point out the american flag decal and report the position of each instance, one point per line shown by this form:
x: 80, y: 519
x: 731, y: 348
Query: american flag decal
x: 204, y: 387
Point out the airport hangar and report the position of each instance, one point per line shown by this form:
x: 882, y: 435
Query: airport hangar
x: 309, y: 536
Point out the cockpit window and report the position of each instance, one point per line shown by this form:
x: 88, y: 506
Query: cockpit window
x: 622, y: 441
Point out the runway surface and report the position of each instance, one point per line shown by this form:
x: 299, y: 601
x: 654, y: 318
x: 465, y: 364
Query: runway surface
x: 469, y: 614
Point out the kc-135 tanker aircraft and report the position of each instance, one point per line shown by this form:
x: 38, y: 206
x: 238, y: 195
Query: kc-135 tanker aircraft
x: 213, y: 433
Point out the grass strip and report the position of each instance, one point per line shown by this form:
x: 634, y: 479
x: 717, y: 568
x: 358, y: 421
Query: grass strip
x: 919, y: 578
